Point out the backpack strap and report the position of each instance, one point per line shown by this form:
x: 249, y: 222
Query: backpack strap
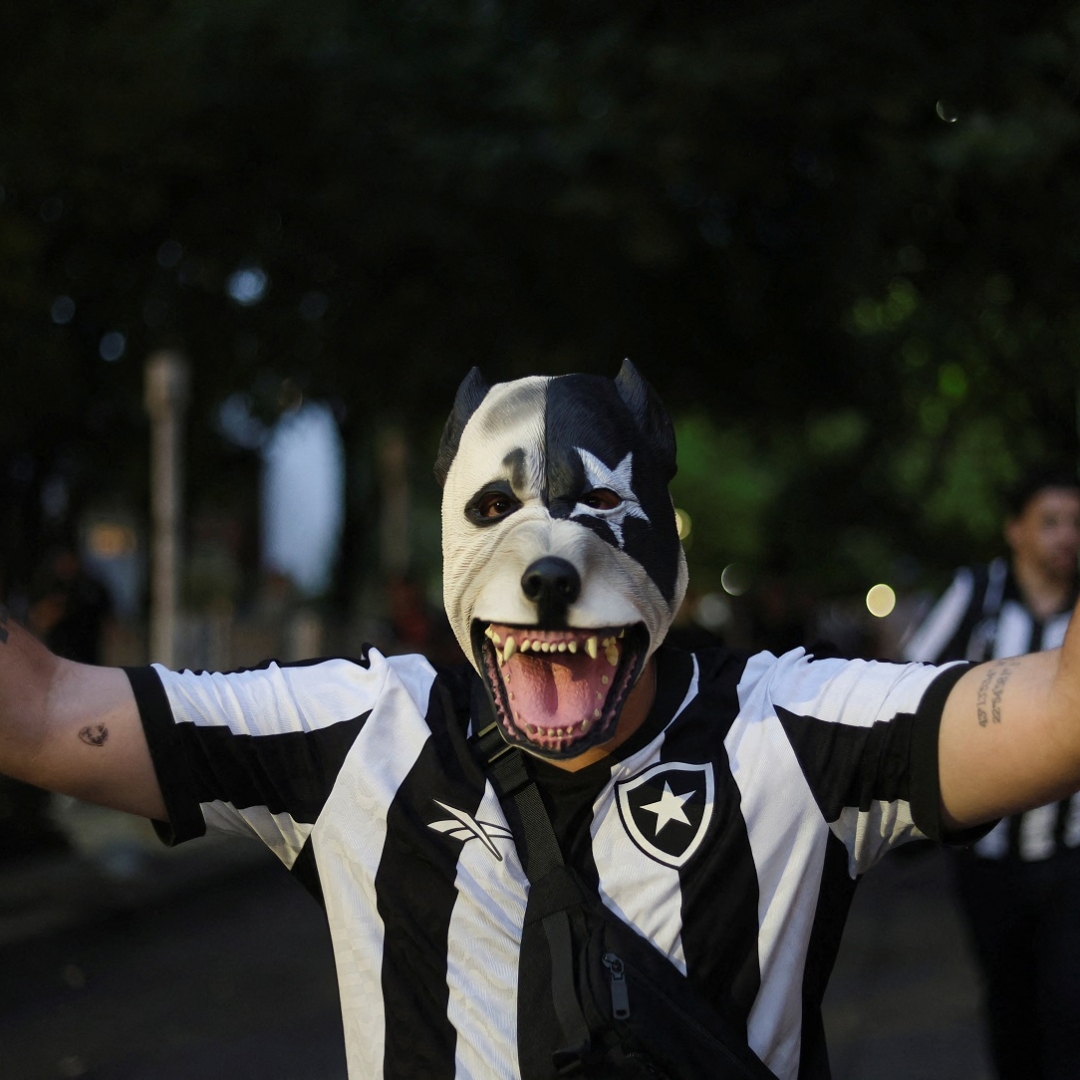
x: 505, y: 767
x: 548, y: 876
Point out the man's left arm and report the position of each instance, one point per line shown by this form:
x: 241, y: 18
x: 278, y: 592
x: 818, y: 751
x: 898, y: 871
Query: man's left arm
x: 1010, y: 735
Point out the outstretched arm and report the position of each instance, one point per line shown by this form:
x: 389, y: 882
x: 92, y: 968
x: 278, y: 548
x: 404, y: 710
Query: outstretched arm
x: 1010, y: 735
x: 72, y: 728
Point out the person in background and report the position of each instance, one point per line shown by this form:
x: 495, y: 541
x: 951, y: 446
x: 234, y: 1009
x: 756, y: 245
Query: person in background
x: 1019, y: 885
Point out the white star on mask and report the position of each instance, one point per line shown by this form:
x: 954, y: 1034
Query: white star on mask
x: 669, y: 807
x: 598, y: 475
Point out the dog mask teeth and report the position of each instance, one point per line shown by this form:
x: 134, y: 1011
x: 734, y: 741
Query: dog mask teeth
x: 565, y: 688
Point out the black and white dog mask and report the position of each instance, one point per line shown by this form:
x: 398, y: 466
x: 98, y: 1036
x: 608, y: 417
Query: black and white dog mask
x: 562, y: 566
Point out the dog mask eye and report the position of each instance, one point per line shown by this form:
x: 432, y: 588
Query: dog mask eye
x: 491, y: 505
x: 601, y: 499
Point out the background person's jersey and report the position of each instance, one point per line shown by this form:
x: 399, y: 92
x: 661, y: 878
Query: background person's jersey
x: 730, y: 830
x: 983, y: 616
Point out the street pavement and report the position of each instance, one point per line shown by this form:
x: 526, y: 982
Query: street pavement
x: 903, y: 1002
x: 130, y: 961
x: 125, y: 960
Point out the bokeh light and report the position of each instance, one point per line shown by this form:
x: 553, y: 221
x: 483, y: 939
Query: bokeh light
x: 713, y: 612
x: 683, y: 523
x: 880, y: 601
x: 735, y: 579
x: 248, y: 285
x: 946, y: 111
x: 62, y: 311
x: 112, y: 346
x: 111, y: 540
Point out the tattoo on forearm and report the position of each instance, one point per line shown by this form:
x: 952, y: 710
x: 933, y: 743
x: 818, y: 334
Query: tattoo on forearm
x: 94, y: 734
x: 5, y: 633
x: 991, y: 691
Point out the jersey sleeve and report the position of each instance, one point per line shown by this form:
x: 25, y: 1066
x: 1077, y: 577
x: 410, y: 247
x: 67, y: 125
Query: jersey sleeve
x: 259, y: 751
x: 865, y: 734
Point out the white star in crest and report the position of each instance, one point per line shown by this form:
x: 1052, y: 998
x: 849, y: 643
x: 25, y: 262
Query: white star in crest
x: 598, y: 475
x: 669, y: 807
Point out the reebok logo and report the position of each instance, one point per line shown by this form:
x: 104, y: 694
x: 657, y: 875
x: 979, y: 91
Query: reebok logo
x: 464, y: 827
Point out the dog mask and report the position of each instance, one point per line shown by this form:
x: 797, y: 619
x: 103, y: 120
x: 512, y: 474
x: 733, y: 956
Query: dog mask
x: 562, y: 565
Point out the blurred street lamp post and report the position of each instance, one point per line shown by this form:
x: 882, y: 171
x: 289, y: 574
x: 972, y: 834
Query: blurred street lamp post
x: 166, y: 401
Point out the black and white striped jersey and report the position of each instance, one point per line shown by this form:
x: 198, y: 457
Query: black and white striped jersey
x: 730, y: 830
x: 982, y: 616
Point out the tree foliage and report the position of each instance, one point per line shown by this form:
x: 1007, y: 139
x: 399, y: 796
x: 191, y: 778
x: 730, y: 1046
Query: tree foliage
x: 847, y: 235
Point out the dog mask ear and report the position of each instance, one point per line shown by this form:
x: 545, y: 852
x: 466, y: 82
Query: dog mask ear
x: 649, y: 415
x: 471, y: 392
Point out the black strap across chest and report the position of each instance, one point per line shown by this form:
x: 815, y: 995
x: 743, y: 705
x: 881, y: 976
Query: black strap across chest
x: 542, y: 859
x: 558, y: 897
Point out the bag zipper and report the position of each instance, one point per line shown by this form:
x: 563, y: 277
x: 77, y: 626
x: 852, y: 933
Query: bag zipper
x: 620, y: 999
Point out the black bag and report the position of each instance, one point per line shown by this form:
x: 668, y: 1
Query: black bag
x: 596, y: 999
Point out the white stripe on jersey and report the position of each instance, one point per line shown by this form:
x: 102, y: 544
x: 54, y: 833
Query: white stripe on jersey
x: 644, y: 893
x: 1071, y: 837
x: 787, y: 840
x: 995, y: 844
x: 348, y: 841
x: 1013, y: 631
x: 869, y: 834
x: 487, y: 921
x: 1037, y: 832
x: 274, y: 700
x: 1053, y: 635
x: 940, y: 625
x: 840, y: 691
x: 284, y: 836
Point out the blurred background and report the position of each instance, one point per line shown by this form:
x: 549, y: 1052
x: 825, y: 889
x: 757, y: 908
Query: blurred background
x: 269, y: 240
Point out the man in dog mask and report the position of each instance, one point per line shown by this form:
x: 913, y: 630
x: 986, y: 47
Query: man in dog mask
x: 720, y: 804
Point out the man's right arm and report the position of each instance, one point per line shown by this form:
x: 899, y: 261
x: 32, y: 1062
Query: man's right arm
x: 72, y: 728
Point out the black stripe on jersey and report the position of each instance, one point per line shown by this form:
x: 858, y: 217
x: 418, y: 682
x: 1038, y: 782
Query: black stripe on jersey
x: 306, y: 871
x: 292, y: 772
x: 185, y: 818
x: 719, y: 884
x: 903, y: 750
x: 1061, y: 819
x: 834, y: 900
x: 1014, y: 824
x: 416, y: 892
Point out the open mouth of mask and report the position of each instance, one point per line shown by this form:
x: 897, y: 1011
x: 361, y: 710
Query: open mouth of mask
x: 559, y: 692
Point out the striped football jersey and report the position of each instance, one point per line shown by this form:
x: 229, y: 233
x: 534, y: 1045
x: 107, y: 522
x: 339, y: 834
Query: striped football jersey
x: 730, y: 830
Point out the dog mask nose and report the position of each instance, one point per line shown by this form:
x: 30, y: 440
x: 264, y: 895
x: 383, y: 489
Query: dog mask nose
x: 553, y: 585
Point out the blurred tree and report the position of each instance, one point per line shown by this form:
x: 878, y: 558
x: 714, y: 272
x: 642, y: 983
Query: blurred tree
x: 847, y: 235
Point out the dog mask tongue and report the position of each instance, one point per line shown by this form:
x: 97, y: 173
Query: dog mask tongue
x: 557, y: 681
